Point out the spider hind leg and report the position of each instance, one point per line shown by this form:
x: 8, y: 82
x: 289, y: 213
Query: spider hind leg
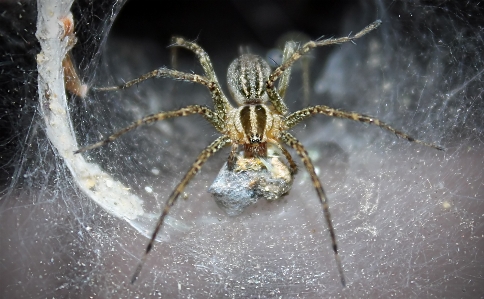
x: 301, y: 151
x: 202, y: 158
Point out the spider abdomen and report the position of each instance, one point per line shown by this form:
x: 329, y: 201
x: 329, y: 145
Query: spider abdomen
x: 246, y: 78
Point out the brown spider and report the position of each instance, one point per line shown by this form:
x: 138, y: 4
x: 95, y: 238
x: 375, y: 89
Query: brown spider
x: 254, y: 124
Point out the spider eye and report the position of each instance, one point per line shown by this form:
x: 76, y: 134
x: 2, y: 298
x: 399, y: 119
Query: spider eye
x: 246, y: 79
x: 255, y: 138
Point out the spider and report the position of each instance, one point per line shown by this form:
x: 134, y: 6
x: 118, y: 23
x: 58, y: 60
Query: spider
x: 261, y: 119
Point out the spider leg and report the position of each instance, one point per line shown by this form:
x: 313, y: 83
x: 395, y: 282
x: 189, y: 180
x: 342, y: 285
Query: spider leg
x: 292, y: 165
x: 289, y: 49
x: 301, y: 151
x: 204, y: 155
x: 159, y: 73
x: 305, y: 81
x: 201, y: 55
x: 221, y: 103
x: 275, y: 98
x: 194, y: 109
x: 232, y: 157
x: 313, y: 44
x: 296, y: 117
x: 182, y: 76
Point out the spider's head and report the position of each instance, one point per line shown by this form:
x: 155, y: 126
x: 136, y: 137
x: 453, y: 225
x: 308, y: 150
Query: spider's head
x: 255, y: 138
x: 253, y: 121
x: 246, y: 79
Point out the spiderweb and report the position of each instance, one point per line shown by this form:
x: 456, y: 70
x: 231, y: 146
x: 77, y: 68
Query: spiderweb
x: 408, y: 218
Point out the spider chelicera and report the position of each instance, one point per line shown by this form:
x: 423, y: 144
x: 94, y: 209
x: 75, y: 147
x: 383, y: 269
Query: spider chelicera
x: 261, y: 119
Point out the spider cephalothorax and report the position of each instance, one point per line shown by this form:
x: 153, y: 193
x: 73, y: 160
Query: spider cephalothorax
x: 253, y: 124
x: 259, y: 123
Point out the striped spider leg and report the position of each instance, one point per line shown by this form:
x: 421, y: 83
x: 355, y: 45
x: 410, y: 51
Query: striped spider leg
x: 258, y: 121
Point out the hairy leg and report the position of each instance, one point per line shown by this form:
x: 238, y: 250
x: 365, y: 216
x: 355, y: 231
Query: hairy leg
x: 274, y: 96
x: 220, y: 102
x: 159, y: 73
x: 204, y: 155
x: 221, y: 106
x: 289, y: 49
x: 278, y: 72
x: 292, y: 165
x: 296, y: 117
x: 194, y: 109
x: 301, y: 151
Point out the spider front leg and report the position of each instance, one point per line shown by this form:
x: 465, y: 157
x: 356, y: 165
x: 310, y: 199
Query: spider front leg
x: 274, y: 96
x: 289, y: 49
x: 201, y: 55
x: 194, y: 109
x: 204, y: 155
x: 301, y: 151
x: 220, y: 102
x: 159, y: 73
x: 296, y: 117
x: 313, y: 44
